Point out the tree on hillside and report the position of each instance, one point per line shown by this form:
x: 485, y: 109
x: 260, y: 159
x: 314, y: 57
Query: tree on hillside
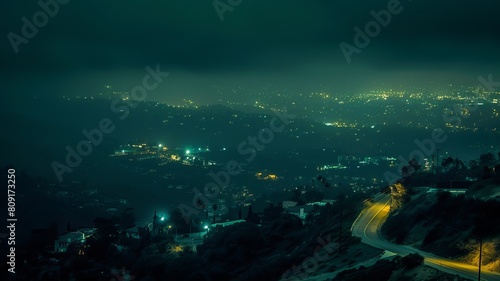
x: 414, y: 164
x: 179, y: 222
x: 251, y: 216
x: 447, y: 164
x: 471, y: 248
x: 106, y: 229
x: 472, y: 164
x: 250, y: 212
x: 145, y: 237
x: 41, y: 241
x: 412, y: 260
x: 458, y: 164
x: 410, y: 169
x: 100, y: 244
x: 272, y: 212
x: 487, y: 159
x: 399, y: 196
x: 486, y: 173
x: 473, y: 169
x: 313, y: 195
x: 126, y: 219
x: 453, y: 169
x: 297, y: 196
x: 323, y: 181
x: 214, y: 206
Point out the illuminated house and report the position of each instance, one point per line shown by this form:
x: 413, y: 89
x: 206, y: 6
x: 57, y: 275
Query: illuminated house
x: 62, y: 243
x: 261, y: 176
x: 132, y: 232
x: 300, y: 211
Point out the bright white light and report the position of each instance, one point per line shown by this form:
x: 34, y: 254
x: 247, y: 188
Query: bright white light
x: 188, y: 151
x: 160, y: 145
x: 206, y: 226
x: 162, y: 218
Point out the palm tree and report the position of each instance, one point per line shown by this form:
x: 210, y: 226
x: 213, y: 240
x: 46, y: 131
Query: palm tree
x: 215, y: 208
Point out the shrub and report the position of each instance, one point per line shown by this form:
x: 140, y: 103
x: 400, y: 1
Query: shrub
x: 412, y: 260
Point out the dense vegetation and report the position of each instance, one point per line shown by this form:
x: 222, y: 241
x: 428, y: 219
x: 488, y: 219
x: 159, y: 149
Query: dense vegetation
x: 406, y: 268
x: 452, y: 225
x: 258, y: 249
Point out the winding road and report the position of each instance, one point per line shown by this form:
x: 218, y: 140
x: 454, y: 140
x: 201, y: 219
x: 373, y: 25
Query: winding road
x: 367, y: 227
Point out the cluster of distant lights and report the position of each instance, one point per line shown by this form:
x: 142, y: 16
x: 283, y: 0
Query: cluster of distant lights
x: 188, y: 152
x: 163, y: 219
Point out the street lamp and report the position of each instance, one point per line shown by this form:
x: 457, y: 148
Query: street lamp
x: 169, y: 227
x: 480, y: 257
x: 206, y: 228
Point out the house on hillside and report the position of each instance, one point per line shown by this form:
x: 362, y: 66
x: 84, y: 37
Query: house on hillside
x: 63, y: 241
x: 300, y: 211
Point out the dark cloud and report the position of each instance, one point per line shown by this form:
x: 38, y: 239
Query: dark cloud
x: 258, y: 36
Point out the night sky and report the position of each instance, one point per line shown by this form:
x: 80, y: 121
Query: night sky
x: 289, y: 44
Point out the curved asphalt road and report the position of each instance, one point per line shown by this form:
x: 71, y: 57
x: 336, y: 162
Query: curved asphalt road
x: 370, y: 220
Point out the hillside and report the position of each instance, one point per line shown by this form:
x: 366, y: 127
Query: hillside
x: 450, y: 226
x: 485, y: 189
x: 406, y: 268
